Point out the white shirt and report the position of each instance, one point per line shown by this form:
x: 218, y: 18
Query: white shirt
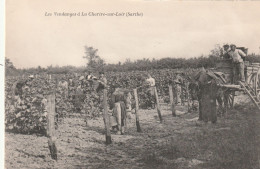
x: 236, y: 55
x: 151, y: 81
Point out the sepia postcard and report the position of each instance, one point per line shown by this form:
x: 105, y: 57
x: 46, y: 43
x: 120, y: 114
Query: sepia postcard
x: 124, y: 84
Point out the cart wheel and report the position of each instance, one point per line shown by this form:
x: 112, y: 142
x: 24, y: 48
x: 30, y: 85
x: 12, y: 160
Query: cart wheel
x: 254, y: 83
x: 228, y: 100
x: 257, y: 84
x: 251, y: 80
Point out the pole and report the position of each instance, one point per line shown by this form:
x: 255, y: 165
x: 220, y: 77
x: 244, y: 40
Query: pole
x: 117, y: 111
x: 136, y: 111
x: 51, y: 126
x: 172, y: 101
x: 182, y: 94
x: 158, y: 105
x: 226, y: 95
x: 188, y: 96
x: 177, y: 93
x: 106, y: 119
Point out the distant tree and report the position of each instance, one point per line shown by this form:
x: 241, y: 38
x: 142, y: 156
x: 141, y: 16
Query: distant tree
x: 253, y: 58
x: 208, y: 61
x: 9, y: 64
x: 217, y: 51
x: 128, y: 60
x: 95, y: 62
x: 10, y: 68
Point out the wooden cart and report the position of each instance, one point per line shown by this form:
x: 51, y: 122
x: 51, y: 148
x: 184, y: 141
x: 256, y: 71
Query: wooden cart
x: 251, y: 87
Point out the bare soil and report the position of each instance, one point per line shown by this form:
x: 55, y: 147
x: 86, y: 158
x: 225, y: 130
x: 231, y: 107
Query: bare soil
x: 179, y: 142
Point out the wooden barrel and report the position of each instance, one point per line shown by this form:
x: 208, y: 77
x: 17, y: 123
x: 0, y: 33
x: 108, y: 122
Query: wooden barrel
x: 245, y: 50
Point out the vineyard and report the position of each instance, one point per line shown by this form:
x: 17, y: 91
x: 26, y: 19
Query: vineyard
x: 179, y: 142
x: 133, y: 84
x: 28, y: 115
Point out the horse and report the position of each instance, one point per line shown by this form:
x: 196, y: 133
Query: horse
x: 203, y: 86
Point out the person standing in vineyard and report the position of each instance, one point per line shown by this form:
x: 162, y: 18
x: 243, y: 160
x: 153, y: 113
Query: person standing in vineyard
x: 102, y: 80
x: 119, y: 99
x: 71, y: 86
x: 78, y: 96
x: 238, y: 63
x: 150, y: 91
x: 179, y: 82
x: 18, y: 88
x: 63, y: 87
x: 102, y: 84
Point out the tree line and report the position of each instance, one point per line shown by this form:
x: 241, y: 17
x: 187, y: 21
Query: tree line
x: 95, y: 63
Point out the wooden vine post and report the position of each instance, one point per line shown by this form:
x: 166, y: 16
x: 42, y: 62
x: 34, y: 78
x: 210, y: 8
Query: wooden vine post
x: 172, y: 101
x: 188, y: 96
x: 51, y: 125
x: 182, y: 94
x: 226, y: 97
x: 136, y: 111
x: 117, y: 109
x: 158, y: 104
x: 175, y: 89
x: 106, y: 119
x: 232, y: 98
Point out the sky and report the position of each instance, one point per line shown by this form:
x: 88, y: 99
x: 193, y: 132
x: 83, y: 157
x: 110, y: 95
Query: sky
x: 165, y: 29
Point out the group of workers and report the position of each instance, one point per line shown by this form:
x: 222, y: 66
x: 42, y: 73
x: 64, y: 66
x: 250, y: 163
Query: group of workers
x: 231, y: 52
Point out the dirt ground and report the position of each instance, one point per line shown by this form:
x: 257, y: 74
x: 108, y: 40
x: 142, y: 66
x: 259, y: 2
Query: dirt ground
x: 179, y: 142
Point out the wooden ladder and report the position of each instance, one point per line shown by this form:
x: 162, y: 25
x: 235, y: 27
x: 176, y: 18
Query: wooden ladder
x: 251, y: 94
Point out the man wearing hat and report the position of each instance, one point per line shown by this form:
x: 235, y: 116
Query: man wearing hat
x: 238, y: 63
x: 225, y: 54
x: 102, y: 78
